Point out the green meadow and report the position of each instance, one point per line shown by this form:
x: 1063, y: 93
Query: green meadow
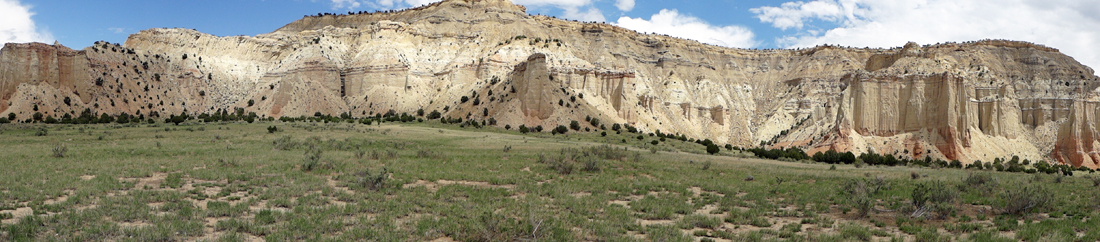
x: 429, y: 181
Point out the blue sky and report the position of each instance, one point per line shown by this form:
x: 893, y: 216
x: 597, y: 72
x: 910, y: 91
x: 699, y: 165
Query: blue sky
x: 1070, y: 25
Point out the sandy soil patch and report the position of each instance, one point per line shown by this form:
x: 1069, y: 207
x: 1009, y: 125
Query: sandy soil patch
x: 434, y: 186
x: 647, y: 222
x: 698, y: 192
x: 443, y: 239
x: 707, y: 210
x: 17, y: 214
x: 134, y: 224
x: 332, y: 183
x: 153, y: 181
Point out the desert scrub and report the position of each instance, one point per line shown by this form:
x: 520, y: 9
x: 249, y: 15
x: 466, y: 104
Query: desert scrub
x: 174, y: 180
x: 367, y: 180
x: 284, y: 143
x: 979, y: 181
x: 665, y: 206
x: 1024, y: 199
x: 700, y: 221
x: 59, y: 150
x: 312, y: 159
x: 1095, y: 180
x: 933, y: 197
x: 41, y: 131
x: 666, y: 233
x: 429, y: 154
x: 751, y: 217
x: 591, y: 164
x: 472, y: 181
x: 860, y: 193
x: 359, y: 153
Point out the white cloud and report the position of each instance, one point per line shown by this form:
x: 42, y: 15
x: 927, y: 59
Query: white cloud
x: 625, y: 5
x: 349, y: 4
x: 672, y: 23
x: 582, y: 10
x: 592, y: 14
x: 117, y: 30
x: 793, y: 14
x: 16, y: 25
x: 1069, y: 25
x: 571, y: 9
x: 558, y: 3
x: 393, y: 4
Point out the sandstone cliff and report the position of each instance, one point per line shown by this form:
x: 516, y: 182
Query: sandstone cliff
x: 966, y: 101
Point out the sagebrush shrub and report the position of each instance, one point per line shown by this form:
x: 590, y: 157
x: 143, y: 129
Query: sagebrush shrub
x: 563, y: 166
x: 372, y: 181
x: 861, y: 193
x: 932, y: 197
x: 591, y: 164
x: 1024, y: 199
x: 983, y: 182
x: 284, y: 143
x: 429, y: 154
x: 312, y: 159
x: 59, y: 150
x: 1095, y: 180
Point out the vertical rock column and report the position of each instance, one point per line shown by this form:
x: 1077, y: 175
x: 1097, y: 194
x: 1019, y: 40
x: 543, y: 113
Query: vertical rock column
x: 534, y: 87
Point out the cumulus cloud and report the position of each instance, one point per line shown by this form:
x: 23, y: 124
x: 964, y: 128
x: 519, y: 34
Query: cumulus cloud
x: 571, y: 9
x: 672, y: 23
x: 349, y: 4
x: 793, y: 14
x: 16, y: 25
x: 625, y: 5
x: 592, y: 14
x: 582, y: 10
x: 1069, y: 25
x: 558, y: 3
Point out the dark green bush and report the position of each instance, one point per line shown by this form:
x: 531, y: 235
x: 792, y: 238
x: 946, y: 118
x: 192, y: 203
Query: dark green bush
x: 561, y: 129
x: 712, y: 149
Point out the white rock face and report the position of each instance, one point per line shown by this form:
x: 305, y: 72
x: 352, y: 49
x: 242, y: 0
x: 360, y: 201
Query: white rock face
x: 968, y: 101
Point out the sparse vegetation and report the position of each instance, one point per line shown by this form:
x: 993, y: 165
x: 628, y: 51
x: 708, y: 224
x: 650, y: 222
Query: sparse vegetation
x: 312, y: 159
x: 861, y: 193
x: 932, y: 198
x: 59, y: 150
x: 417, y: 181
x: 1025, y: 199
x: 372, y: 180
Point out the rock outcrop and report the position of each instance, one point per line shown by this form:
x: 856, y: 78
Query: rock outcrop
x: 967, y: 101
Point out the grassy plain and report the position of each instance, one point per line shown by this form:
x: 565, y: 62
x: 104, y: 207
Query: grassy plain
x: 434, y: 182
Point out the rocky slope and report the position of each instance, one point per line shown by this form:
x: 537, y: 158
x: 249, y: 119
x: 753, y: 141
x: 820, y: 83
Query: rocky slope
x: 966, y: 101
